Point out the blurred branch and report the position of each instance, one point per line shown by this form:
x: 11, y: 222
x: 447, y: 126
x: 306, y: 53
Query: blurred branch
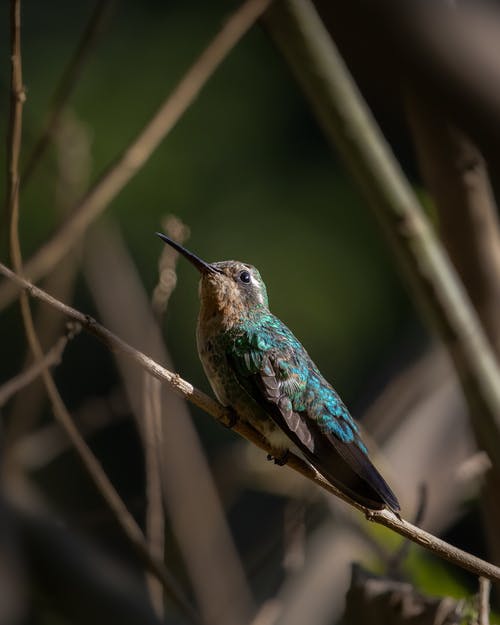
x: 155, y: 517
x: 73, y: 150
x: 217, y: 411
x: 69, y: 79
x: 52, y: 357
x: 92, y: 465
x: 190, y: 495
x: 380, y: 600
x: 152, y: 412
x: 118, y: 174
x: 456, y: 175
x: 484, y: 601
x: 17, y: 99
x: 79, y: 580
x: 167, y: 277
x: 450, y: 50
x: 40, y: 447
x: 349, y: 126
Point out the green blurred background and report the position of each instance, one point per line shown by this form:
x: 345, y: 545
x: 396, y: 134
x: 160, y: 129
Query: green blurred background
x: 248, y: 170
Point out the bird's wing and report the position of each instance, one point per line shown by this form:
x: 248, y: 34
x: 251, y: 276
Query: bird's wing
x: 277, y: 372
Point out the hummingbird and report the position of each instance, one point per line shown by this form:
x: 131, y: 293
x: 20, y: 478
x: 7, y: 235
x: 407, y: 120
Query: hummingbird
x: 259, y: 369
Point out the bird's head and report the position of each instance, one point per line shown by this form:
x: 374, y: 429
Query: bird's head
x: 228, y: 288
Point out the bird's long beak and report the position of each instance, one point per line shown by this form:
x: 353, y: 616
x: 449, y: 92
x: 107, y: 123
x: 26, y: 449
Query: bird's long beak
x: 201, y: 265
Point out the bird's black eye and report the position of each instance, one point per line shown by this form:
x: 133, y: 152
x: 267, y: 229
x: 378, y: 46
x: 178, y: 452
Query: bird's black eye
x: 245, y: 276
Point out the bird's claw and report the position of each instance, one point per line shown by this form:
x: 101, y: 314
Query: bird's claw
x: 279, y: 460
x: 232, y: 419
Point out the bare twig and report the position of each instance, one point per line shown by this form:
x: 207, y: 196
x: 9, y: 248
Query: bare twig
x: 167, y: 277
x: 103, y: 484
x: 17, y: 99
x: 69, y: 79
x: 83, y: 584
x: 188, y: 391
x: 155, y: 517
x: 73, y: 143
x: 152, y: 412
x: 189, y: 491
x: 117, y: 175
x: 456, y: 175
x: 484, y: 601
x: 52, y: 357
x: 350, y: 127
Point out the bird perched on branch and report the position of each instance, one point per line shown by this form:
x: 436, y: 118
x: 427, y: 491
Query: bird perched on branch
x: 258, y: 368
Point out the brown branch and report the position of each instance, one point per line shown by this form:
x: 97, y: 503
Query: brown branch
x: 350, y: 128
x: 118, y: 174
x: 152, y: 412
x: 73, y: 160
x: 92, y: 465
x: 52, y: 357
x: 69, y: 79
x: 222, y: 415
x: 83, y: 584
x: 188, y: 487
x: 484, y: 601
x: 17, y: 99
x: 456, y: 175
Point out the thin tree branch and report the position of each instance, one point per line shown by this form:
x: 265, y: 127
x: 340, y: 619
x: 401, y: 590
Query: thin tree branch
x: 118, y: 174
x: 73, y: 159
x: 189, y: 491
x: 484, y: 601
x: 17, y: 99
x: 350, y: 127
x: 69, y: 79
x: 83, y: 585
x: 52, y: 357
x: 95, y: 470
x: 456, y: 175
x: 222, y: 415
x: 152, y: 415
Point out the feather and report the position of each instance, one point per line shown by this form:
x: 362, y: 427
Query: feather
x: 276, y: 371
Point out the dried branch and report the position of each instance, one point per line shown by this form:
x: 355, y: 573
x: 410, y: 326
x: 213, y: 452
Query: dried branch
x: 350, y: 127
x: 69, y: 79
x: 17, y: 99
x: 222, y: 415
x: 484, y: 601
x: 189, y: 491
x: 456, y: 175
x: 167, y: 277
x: 118, y: 174
x: 381, y: 600
x: 52, y: 357
x: 95, y: 470
x: 72, y: 144
x: 82, y: 583
x: 153, y: 414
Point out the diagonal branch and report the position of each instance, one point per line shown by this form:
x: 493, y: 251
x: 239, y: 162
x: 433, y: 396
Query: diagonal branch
x: 52, y: 357
x: 72, y: 72
x: 222, y: 415
x: 119, y: 173
x: 95, y: 470
x: 350, y: 128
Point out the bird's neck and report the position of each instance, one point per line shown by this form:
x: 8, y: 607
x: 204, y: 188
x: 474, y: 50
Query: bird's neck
x: 223, y: 315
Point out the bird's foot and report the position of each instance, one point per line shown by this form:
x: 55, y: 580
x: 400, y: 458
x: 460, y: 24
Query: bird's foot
x: 279, y: 460
x: 232, y: 419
